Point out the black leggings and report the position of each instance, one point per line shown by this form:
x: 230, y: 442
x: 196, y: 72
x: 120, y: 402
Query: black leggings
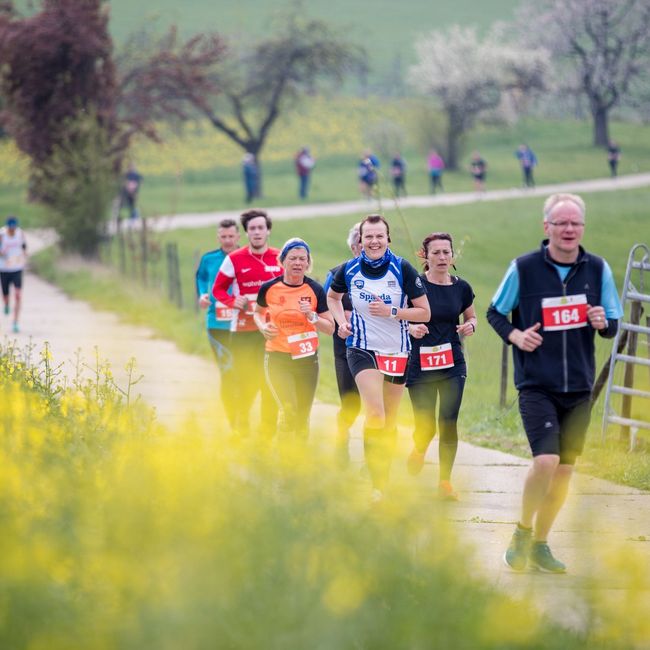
x: 424, y: 396
x: 293, y: 385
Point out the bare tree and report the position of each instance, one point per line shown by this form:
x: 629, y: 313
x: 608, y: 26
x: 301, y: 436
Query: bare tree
x: 469, y: 75
x: 603, y: 44
x: 240, y: 86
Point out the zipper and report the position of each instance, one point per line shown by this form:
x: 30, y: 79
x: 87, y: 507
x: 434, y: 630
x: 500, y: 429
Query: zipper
x: 565, y: 361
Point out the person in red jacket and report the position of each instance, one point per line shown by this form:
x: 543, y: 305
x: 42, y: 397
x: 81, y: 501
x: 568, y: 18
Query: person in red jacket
x: 246, y: 270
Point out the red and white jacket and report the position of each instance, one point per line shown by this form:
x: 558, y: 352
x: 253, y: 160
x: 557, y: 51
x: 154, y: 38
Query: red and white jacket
x: 246, y: 273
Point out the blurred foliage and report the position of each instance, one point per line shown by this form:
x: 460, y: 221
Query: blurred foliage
x: 120, y: 534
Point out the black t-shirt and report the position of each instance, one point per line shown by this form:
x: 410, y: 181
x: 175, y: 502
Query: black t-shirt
x: 447, y: 303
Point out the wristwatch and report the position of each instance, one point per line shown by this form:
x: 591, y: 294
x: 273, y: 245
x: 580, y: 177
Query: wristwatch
x: 312, y: 317
x: 393, y: 312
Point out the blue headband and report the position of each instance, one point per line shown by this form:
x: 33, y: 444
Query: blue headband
x: 294, y: 244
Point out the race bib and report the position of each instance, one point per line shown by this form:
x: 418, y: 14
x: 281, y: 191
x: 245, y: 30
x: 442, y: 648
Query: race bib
x: 222, y: 312
x: 303, y: 345
x: 565, y: 312
x: 392, y: 363
x: 437, y: 357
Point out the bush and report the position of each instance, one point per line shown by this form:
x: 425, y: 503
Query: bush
x: 78, y: 181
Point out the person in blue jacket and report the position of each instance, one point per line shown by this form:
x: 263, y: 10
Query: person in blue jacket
x: 218, y: 317
x: 558, y: 296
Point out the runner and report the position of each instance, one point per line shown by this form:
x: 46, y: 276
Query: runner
x: 13, y: 258
x: 379, y: 284
x: 290, y: 311
x: 218, y: 315
x: 348, y: 391
x: 437, y: 369
x: 559, y: 296
x: 245, y: 271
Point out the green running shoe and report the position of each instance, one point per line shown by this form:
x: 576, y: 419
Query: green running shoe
x: 542, y: 559
x: 15, y: 328
x: 516, y: 557
x: 6, y: 309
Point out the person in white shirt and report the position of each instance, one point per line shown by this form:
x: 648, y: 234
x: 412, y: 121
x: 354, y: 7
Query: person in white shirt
x: 13, y: 257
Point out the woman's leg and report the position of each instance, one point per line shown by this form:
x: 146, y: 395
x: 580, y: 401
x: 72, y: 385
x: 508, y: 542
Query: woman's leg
x: 282, y: 383
x: 451, y: 396
x: 371, y: 389
x: 306, y: 378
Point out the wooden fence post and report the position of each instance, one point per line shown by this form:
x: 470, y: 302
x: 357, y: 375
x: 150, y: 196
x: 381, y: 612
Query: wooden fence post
x: 504, y: 376
x: 628, y: 377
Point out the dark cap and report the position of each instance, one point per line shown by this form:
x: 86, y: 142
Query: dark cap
x: 12, y: 222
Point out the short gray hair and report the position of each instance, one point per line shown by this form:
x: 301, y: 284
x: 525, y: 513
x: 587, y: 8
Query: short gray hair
x: 354, y: 236
x: 555, y: 199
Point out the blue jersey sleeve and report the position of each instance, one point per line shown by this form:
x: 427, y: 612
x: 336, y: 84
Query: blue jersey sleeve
x: 609, y: 295
x: 506, y: 297
x: 203, y: 278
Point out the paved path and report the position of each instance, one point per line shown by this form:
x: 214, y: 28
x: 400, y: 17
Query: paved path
x: 600, y: 515
x: 314, y: 210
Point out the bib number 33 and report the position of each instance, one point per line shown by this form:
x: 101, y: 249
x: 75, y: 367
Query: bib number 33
x: 303, y: 345
x: 564, y: 313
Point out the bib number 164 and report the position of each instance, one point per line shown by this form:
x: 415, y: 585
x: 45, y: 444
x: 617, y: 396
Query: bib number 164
x: 565, y: 312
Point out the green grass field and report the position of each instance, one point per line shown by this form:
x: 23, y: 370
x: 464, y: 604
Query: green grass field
x: 201, y: 184
x: 487, y: 235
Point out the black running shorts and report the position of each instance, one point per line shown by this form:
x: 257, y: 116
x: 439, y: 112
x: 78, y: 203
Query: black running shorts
x: 555, y: 423
x: 359, y: 359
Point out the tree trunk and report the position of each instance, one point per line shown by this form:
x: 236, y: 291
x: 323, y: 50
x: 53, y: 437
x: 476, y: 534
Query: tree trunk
x: 454, y: 137
x: 601, y: 126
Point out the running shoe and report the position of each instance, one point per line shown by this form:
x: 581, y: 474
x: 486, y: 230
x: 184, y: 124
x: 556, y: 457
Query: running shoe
x: 446, y: 492
x: 6, y: 309
x: 15, y: 328
x: 516, y: 557
x: 542, y: 559
x: 415, y: 462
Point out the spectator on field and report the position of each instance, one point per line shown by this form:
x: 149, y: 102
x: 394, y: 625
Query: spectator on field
x: 304, y: 165
x: 478, y: 169
x: 129, y: 192
x: 613, y: 156
x: 367, y: 172
x: 436, y: 167
x: 528, y: 161
x: 398, y: 174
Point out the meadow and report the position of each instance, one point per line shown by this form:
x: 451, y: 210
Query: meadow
x: 487, y: 236
x: 196, y: 169
x: 118, y: 533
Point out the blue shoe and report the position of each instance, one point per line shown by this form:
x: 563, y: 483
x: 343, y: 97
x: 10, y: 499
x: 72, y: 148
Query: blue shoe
x: 542, y: 559
x: 6, y: 309
x: 15, y: 328
x: 516, y: 557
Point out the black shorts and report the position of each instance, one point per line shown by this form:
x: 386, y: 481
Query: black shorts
x: 10, y: 277
x: 555, y: 423
x: 359, y: 360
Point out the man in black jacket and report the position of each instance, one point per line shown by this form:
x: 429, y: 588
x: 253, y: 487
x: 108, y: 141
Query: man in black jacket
x: 558, y: 296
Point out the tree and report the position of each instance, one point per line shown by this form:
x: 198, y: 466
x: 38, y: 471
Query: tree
x: 469, y: 76
x: 604, y: 44
x: 256, y: 83
x: 67, y: 111
x: 55, y: 77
